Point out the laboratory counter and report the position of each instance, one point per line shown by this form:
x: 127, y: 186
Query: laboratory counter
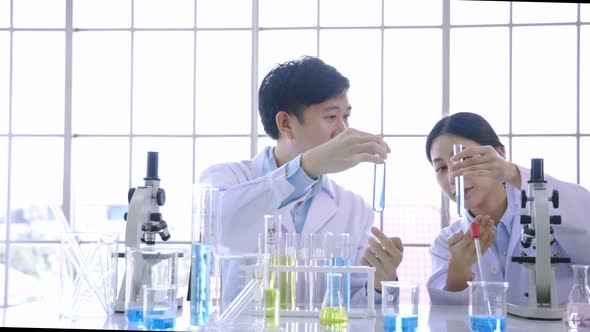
x: 431, y: 318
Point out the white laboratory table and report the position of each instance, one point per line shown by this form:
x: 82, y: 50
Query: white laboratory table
x: 431, y: 318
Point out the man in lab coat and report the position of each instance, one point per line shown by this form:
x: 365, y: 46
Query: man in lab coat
x: 304, y: 106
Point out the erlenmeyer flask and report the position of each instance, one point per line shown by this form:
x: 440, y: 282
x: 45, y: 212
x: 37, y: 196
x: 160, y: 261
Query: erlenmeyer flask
x: 333, y: 312
x: 577, y: 313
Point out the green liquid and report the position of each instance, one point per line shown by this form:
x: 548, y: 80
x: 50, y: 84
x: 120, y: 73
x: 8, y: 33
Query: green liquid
x: 285, y: 281
x: 334, y: 316
x: 287, y: 284
x: 271, y: 308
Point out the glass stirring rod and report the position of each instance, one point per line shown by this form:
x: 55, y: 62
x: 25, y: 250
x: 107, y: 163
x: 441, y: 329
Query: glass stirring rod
x: 475, y: 235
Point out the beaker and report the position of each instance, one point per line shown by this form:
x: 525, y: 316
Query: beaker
x: 333, y: 311
x: 159, y: 307
x: 577, y: 313
x: 147, y: 266
x: 399, y: 305
x: 88, y: 274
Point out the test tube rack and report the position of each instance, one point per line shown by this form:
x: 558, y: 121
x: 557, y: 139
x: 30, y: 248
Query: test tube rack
x: 367, y: 312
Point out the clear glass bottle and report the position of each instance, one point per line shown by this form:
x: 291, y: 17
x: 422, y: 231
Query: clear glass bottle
x: 577, y: 313
x: 333, y: 311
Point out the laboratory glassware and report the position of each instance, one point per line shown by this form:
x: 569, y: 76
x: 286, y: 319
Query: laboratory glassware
x: 333, y: 311
x: 205, y: 237
x: 88, y: 274
x: 340, y: 252
x: 577, y: 313
x: 399, y: 305
x: 159, y: 307
x: 459, y: 185
x: 147, y: 266
x: 271, y: 286
x: 288, y: 253
x: 487, y: 306
x: 379, y: 187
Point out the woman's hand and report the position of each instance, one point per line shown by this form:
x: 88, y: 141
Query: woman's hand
x: 485, y: 161
x: 463, y: 255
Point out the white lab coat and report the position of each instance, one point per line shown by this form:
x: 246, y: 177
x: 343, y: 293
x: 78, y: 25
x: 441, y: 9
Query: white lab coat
x: 248, y: 195
x: 572, y: 240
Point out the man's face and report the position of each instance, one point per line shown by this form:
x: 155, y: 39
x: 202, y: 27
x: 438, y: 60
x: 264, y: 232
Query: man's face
x: 321, y: 122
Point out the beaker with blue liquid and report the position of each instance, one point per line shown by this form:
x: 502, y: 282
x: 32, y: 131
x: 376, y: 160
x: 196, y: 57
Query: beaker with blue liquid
x: 159, y: 307
x: 487, y: 306
x: 399, y: 305
x: 147, y: 266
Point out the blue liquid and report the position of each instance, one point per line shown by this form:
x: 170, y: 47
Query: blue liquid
x: 487, y: 324
x: 200, y: 276
x: 395, y: 323
x: 134, y: 315
x: 160, y: 323
x: 341, y: 261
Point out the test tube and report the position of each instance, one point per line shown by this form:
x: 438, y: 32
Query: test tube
x: 205, y: 232
x: 306, y: 255
x: 271, y: 293
x: 459, y: 185
x: 288, y: 254
x: 340, y: 247
x: 379, y: 187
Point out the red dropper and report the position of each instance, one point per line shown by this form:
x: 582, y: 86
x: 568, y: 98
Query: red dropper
x: 475, y: 233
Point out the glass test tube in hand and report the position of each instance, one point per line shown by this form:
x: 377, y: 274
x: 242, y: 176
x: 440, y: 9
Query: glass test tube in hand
x: 459, y: 185
x: 379, y: 187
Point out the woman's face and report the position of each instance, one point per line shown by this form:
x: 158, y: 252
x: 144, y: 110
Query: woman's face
x: 477, y: 189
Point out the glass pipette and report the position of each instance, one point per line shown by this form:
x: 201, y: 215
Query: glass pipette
x: 475, y: 235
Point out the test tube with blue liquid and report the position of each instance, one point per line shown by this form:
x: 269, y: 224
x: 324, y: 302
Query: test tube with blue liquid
x: 379, y: 187
x: 205, y: 231
x: 459, y: 185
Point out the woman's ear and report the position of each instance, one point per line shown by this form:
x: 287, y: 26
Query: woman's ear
x: 283, y: 121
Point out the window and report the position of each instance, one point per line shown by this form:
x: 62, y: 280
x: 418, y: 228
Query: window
x: 81, y: 103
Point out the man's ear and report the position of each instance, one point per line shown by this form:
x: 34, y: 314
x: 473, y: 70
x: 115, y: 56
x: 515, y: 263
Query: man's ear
x: 501, y: 150
x: 283, y: 120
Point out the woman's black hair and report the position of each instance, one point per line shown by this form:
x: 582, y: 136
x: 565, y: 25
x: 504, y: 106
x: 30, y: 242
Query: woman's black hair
x: 467, y: 125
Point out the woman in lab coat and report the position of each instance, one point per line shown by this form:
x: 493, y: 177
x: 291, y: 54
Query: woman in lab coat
x: 492, y: 198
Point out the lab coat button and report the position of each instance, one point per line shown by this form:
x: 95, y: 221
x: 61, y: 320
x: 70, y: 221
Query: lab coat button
x: 494, y: 269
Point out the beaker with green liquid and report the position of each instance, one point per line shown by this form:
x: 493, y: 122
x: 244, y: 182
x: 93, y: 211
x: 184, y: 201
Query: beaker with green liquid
x: 333, y: 312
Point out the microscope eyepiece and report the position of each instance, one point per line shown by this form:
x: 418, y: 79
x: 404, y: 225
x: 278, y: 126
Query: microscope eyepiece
x: 152, y: 166
x: 537, y: 172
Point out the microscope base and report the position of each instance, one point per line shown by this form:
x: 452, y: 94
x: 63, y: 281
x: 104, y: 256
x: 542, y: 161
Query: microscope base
x: 535, y: 312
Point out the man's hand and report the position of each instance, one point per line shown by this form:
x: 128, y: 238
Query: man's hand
x: 384, y: 254
x: 346, y: 150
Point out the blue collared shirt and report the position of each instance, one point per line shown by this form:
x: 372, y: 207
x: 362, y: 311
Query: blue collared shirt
x: 305, y: 187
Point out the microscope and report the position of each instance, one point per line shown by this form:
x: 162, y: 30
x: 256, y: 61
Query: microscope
x: 144, y: 221
x: 538, y: 232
